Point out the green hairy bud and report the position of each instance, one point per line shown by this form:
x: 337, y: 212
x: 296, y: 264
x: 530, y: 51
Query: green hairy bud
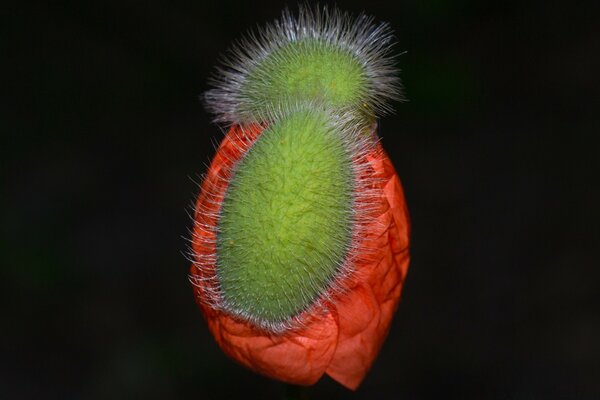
x: 321, y: 55
x: 286, y: 218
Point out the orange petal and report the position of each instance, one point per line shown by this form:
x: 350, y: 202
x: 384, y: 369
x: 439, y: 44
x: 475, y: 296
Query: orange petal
x: 343, y: 342
x: 299, y: 357
x: 366, y: 313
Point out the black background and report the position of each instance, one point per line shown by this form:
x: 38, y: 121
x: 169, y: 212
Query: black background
x: 103, y: 136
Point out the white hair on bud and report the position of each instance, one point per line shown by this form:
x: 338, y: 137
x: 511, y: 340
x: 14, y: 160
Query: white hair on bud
x: 360, y: 36
x: 359, y: 141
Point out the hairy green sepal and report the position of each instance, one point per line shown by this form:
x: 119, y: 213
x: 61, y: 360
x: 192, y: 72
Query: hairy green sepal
x: 285, y: 224
x: 303, y: 70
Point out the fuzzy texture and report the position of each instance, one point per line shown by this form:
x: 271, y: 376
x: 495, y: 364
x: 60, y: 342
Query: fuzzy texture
x: 291, y: 300
x: 324, y: 55
x: 316, y: 288
x: 341, y: 337
x: 286, y: 220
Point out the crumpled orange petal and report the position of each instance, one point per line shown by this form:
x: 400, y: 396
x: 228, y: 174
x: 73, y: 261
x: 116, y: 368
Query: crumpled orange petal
x: 343, y: 342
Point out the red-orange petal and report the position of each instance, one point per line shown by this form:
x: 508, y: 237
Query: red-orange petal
x: 366, y: 313
x: 343, y: 342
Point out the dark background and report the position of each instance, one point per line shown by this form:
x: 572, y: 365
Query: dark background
x: 103, y: 136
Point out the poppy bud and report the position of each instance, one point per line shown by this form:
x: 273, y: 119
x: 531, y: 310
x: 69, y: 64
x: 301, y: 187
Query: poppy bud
x: 300, y: 240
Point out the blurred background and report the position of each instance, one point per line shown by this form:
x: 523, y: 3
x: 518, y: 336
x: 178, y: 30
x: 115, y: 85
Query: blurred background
x: 104, y: 139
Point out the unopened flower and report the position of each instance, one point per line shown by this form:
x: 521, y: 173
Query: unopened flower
x: 301, y: 233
